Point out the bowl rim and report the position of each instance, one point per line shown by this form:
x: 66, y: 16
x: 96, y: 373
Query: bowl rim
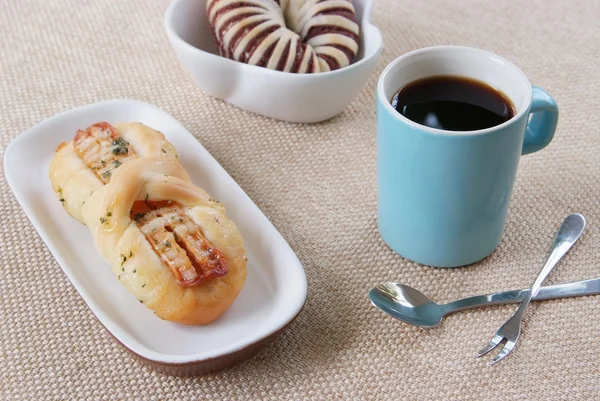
x: 365, y: 25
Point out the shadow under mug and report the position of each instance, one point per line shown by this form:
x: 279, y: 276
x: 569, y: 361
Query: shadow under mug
x: 443, y: 195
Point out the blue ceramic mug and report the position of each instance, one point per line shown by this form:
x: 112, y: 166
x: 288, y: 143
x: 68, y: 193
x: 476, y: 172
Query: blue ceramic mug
x: 443, y: 195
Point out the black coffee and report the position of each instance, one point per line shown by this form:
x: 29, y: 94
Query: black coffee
x: 453, y: 103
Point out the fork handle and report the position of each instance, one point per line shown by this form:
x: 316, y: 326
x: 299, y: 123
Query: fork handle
x: 569, y: 232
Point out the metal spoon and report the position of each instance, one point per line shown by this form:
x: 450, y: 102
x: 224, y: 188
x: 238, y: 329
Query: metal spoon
x: 412, y: 306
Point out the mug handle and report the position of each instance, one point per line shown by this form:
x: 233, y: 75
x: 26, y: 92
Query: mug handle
x: 543, y: 118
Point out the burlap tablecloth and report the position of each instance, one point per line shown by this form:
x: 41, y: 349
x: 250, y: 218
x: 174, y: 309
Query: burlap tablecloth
x: 317, y: 185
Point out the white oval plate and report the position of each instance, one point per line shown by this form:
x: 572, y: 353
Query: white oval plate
x: 276, y: 286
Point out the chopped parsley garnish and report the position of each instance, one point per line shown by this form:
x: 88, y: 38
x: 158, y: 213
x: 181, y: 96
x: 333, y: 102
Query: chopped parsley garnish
x: 103, y: 162
x: 164, y: 151
x: 120, y: 142
x: 141, y: 301
x: 106, y: 174
x: 108, y: 214
x: 62, y: 200
x: 123, y: 269
x: 138, y: 216
x: 117, y: 163
x: 103, y: 220
x: 123, y: 259
x: 130, y: 253
x: 146, y: 198
x: 143, y: 285
x: 135, y: 270
x: 120, y: 145
x: 167, y: 243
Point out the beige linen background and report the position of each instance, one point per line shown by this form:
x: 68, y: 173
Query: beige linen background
x: 317, y: 185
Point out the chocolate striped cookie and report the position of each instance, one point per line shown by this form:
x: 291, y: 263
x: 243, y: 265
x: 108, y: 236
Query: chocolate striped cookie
x: 302, y: 36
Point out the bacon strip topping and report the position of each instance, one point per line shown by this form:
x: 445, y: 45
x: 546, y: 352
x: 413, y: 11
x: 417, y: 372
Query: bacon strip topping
x: 176, y: 239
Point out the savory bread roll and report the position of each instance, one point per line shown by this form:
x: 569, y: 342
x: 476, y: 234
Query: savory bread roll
x: 85, y: 164
x: 167, y: 241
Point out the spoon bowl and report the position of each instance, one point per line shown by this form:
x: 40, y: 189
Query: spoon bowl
x: 407, y: 304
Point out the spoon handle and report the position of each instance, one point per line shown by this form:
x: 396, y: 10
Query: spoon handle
x: 567, y: 290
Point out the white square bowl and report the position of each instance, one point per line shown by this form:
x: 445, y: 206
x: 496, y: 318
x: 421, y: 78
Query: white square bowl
x: 275, y: 289
x: 303, y: 98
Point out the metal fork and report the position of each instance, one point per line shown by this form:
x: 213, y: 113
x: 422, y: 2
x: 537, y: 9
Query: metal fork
x: 569, y: 232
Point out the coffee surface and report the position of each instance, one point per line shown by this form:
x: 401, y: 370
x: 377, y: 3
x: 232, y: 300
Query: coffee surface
x: 453, y: 103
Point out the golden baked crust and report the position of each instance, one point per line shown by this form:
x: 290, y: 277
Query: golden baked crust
x: 134, y: 261
x: 73, y: 179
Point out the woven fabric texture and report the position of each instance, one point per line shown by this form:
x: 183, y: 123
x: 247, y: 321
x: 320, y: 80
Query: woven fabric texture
x: 317, y: 185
